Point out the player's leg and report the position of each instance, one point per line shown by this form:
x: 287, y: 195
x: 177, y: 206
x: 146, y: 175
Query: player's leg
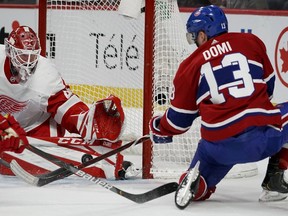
x: 274, y: 179
x: 198, y: 186
x: 217, y: 158
x: 275, y: 186
x: 200, y: 181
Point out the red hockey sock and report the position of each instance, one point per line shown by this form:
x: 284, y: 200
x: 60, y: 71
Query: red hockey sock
x: 283, y: 158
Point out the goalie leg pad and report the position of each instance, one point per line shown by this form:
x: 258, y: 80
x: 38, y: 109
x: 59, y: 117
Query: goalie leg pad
x: 32, y: 168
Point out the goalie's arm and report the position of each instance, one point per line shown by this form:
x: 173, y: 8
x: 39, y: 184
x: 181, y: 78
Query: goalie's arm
x: 104, y: 120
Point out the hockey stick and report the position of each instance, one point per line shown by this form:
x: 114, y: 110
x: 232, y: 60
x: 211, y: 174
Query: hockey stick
x: 4, y: 163
x: 137, y: 198
x: 43, y: 179
x: 61, y: 173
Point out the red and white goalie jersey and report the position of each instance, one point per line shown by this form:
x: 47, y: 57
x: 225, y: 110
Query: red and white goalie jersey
x: 46, y: 107
x: 43, y: 103
x: 228, y: 85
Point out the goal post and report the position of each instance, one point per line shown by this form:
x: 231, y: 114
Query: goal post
x: 99, y: 52
x: 84, y: 37
x: 148, y: 92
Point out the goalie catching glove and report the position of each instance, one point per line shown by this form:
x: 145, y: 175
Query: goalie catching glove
x: 13, y: 136
x: 103, y: 121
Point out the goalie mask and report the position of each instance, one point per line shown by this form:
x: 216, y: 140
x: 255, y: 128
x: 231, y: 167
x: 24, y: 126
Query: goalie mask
x: 23, y: 49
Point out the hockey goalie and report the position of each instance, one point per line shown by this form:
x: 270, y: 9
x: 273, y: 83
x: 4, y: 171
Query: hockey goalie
x: 35, y: 95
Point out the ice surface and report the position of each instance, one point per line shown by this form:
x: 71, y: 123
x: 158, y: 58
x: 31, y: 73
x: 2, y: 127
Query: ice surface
x: 77, y: 197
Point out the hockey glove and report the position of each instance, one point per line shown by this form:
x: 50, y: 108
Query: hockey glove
x: 103, y: 121
x: 13, y: 136
x: 14, y: 144
x: 155, y: 133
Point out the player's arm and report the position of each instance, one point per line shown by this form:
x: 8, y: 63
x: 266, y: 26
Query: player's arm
x: 13, y: 136
x: 179, y: 117
x: 104, y: 120
x: 268, y: 71
x: 173, y: 122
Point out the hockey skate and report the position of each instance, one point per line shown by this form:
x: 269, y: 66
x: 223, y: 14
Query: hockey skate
x: 128, y: 171
x: 188, y: 187
x: 275, y: 188
x: 270, y: 196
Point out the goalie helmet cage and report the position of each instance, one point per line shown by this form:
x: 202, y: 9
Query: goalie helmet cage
x: 100, y: 52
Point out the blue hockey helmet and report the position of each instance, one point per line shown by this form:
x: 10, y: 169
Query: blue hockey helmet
x: 210, y: 19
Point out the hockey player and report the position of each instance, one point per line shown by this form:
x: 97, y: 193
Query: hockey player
x: 32, y: 90
x: 229, y: 82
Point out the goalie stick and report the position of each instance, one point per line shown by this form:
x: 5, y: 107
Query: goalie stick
x: 61, y: 173
x: 4, y: 163
x: 137, y: 198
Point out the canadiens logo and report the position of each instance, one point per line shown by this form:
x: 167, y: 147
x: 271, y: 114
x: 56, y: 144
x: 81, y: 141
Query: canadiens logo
x: 12, y: 79
x: 197, y: 13
x: 9, y: 105
x: 281, y: 57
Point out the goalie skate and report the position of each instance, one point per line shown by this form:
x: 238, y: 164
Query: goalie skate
x: 128, y: 171
x: 188, y: 187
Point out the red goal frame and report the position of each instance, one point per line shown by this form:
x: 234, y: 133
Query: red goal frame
x: 148, y: 69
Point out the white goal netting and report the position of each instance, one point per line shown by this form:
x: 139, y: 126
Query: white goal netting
x: 100, y: 52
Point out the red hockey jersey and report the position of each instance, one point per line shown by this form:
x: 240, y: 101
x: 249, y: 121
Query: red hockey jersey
x: 229, y: 82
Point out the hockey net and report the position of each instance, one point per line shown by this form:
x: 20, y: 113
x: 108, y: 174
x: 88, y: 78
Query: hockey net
x: 100, y: 52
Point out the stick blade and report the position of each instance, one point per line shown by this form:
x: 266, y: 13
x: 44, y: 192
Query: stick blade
x: 160, y: 191
x: 154, y: 194
x: 23, y: 174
